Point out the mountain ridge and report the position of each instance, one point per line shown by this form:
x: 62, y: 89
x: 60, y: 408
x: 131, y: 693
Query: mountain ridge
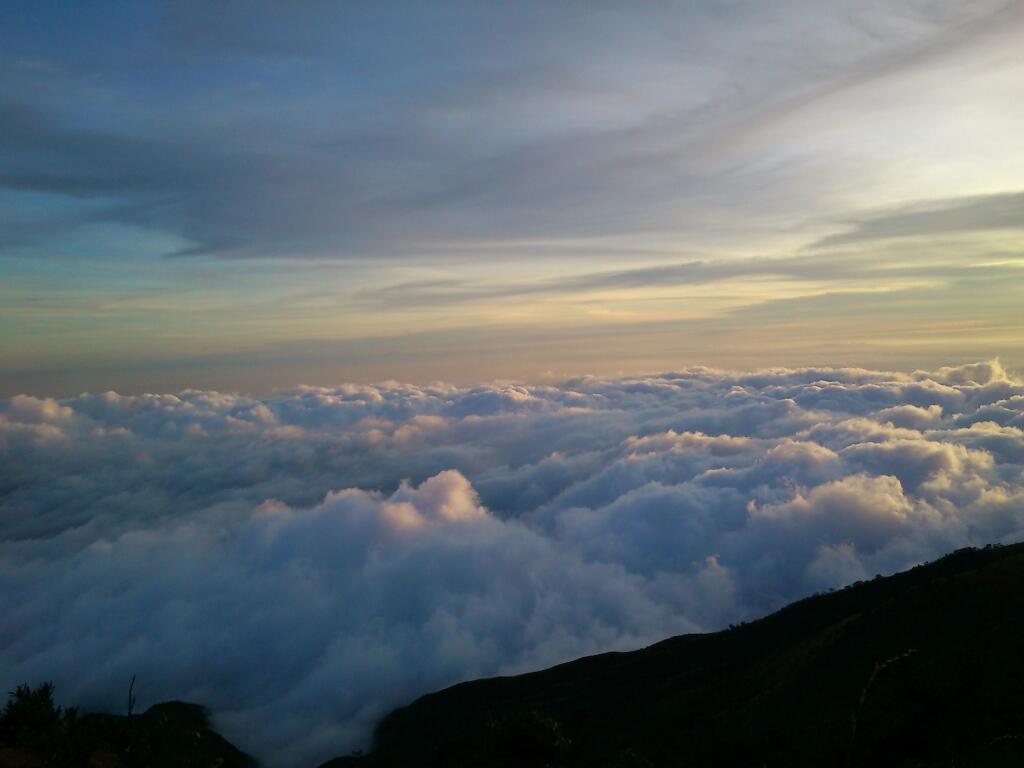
x: 918, y: 668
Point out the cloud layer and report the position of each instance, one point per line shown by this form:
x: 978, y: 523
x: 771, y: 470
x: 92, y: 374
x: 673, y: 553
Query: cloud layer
x: 303, y: 562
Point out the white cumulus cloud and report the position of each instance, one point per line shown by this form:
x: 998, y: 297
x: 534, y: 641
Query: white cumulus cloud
x: 303, y: 562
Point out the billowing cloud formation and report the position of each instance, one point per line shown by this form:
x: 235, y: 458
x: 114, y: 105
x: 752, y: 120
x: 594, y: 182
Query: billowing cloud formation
x: 303, y: 562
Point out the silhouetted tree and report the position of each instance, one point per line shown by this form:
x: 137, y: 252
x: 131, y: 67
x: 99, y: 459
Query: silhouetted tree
x: 32, y: 722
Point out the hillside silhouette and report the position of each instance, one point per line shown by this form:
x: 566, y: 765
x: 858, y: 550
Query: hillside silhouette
x: 923, y: 668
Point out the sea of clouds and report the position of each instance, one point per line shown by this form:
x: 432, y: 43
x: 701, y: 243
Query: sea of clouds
x: 302, y: 563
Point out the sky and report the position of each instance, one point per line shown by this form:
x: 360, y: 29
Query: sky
x: 252, y: 196
x: 352, y: 350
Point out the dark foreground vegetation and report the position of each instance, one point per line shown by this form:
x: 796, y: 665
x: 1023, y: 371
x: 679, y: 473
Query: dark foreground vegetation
x: 34, y: 732
x: 925, y: 668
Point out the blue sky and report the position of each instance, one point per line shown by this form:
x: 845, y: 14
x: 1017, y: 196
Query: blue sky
x: 255, y: 195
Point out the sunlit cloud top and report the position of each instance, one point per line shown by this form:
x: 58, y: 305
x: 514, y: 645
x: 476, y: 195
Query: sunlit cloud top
x: 251, y: 195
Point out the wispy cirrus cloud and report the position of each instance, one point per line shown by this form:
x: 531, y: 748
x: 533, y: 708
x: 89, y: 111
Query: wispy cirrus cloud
x: 545, y: 130
x: 825, y: 265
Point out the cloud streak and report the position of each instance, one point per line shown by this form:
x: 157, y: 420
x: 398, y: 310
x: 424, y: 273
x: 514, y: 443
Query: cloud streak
x: 835, y: 269
x: 305, y: 561
x: 972, y: 214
